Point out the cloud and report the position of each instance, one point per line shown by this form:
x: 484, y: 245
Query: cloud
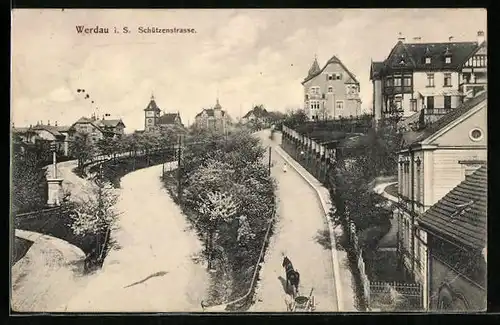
x: 61, y: 94
x: 247, y: 56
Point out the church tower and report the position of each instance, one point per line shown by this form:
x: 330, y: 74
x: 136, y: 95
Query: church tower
x: 151, y: 115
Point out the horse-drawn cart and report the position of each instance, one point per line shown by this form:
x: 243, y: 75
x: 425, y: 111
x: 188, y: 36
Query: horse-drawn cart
x: 302, y: 303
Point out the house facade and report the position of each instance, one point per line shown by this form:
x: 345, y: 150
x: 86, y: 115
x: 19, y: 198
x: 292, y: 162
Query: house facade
x: 154, y: 119
x: 61, y: 136
x: 331, y: 92
x: 215, y: 119
x: 454, y: 232
x: 97, y: 129
x: 258, y: 115
x: 434, y: 161
x: 434, y: 77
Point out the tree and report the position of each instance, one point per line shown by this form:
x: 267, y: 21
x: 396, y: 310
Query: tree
x: 215, y: 207
x: 28, y: 183
x: 295, y: 118
x: 94, y: 214
x: 82, y: 149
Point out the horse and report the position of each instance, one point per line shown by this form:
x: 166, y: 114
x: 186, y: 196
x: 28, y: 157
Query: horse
x: 292, y: 276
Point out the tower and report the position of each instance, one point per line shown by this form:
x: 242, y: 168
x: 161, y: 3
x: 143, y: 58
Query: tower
x: 151, y: 115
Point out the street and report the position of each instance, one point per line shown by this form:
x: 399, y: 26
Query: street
x: 300, y: 222
x: 152, y: 269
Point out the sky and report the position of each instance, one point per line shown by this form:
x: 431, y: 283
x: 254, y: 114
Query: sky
x: 244, y: 57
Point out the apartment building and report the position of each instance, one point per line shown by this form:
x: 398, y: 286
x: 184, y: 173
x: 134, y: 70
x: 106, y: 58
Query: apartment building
x: 434, y: 77
x: 433, y: 162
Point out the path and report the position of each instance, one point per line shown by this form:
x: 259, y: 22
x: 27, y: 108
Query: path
x: 389, y: 241
x: 48, y: 275
x: 301, y: 220
x: 153, y: 270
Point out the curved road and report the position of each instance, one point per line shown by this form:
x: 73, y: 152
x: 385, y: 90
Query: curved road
x: 152, y: 270
x: 301, y: 222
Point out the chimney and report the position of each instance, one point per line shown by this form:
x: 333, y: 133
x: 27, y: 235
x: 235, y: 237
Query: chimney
x: 480, y: 37
x: 417, y: 39
x: 56, y: 123
x: 450, y: 39
x: 401, y: 38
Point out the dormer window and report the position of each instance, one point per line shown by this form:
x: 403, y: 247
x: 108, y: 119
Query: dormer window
x: 447, y: 59
x: 427, y: 60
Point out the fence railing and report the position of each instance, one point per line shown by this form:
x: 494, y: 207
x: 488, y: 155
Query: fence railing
x: 245, y: 299
x: 366, y: 283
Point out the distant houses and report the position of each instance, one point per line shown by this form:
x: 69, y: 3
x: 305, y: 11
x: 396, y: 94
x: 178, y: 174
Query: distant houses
x: 214, y: 119
x: 154, y: 120
x: 95, y: 129
x: 257, y: 115
x: 98, y: 129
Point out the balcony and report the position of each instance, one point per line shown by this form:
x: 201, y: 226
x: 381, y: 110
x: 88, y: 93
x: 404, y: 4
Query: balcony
x: 391, y: 90
x: 471, y: 89
x: 437, y: 111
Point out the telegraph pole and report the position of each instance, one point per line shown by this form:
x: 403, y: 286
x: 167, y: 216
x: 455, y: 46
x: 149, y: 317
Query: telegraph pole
x: 270, y: 151
x: 179, y: 151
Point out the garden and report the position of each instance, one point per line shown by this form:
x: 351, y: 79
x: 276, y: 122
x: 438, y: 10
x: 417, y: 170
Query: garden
x: 229, y: 197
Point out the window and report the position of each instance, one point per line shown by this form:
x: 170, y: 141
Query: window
x: 314, y: 90
x: 307, y: 97
x: 427, y: 60
x: 447, y: 59
x: 430, y: 80
x: 447, y: 102
x: 476, y: 134
x: 407, y: 82
x: 323, y: 96
x: 339, y: 104
x: 330, y: 89
x: 447, y: 79
x: 430, y: 102
x: 329, y: 77
x: 314, y: 104
x: 397, y: 82
x: 337, y: 76
x: 413, y: 105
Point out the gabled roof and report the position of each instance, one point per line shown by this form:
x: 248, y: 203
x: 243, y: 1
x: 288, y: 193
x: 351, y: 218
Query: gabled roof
x: 169, y: 118
x: 417, y: 52
x: 257, y: 111
x: 461, y: 214
x: 54, y: 130
x: 333, y: 59
x: 110, y: 123
x: 210, y: 112
x: 414, y: 137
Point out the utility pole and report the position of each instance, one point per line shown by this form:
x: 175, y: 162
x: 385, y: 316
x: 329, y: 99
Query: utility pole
x: 270, y: 151
x: 179, y: 175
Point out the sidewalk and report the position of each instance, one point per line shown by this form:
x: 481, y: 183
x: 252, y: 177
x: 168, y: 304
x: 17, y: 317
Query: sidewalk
x: 48, y: 275
x: 343, y: 277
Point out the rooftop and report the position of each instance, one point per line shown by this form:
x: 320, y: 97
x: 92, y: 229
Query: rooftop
x: 462, y: 213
